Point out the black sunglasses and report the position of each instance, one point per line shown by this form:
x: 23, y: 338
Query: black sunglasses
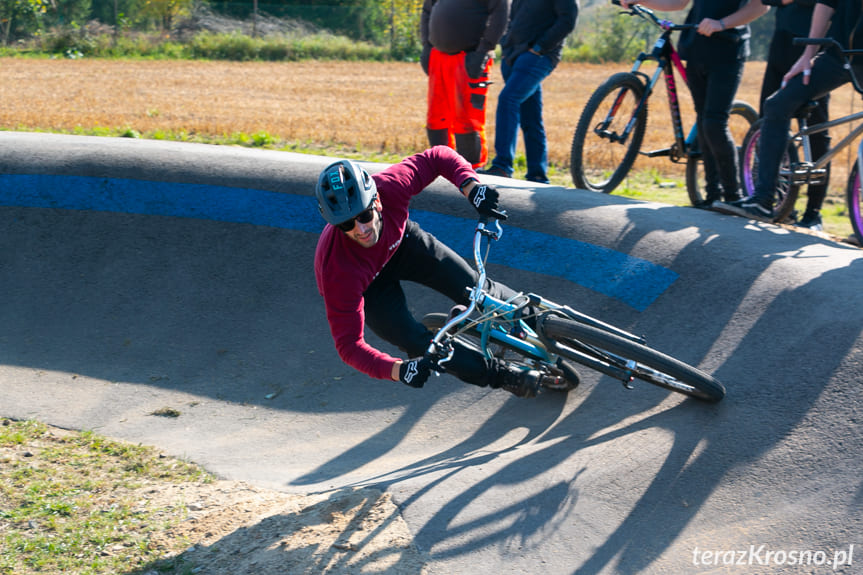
x: 363, y: 218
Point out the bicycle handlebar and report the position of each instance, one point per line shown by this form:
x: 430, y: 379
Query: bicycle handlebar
x: 638, y: 10
x: 437, y: 349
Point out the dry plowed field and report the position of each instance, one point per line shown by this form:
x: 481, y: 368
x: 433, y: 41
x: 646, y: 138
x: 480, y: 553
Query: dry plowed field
x: 368, y: 106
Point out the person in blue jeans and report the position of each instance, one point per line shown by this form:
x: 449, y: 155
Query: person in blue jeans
x: 715, y: 54
x: 530, y: 50
x: 812, y: 76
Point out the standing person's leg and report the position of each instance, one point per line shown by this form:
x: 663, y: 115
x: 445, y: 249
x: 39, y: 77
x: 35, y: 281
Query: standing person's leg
x: 441, y: 100
x: 532, y: 125
x: 521, y: 80
x: 780, y: 57
x: 720, y: 149
x: 469, y: 125
x: 696, y: 77
x: 535, y: 143
x: 816, y: 193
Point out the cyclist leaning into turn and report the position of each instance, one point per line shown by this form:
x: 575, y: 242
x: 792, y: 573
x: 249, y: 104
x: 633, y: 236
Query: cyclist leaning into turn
x: 369, y: 246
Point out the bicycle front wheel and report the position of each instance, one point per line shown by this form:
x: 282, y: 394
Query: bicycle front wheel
x: 644, y: 363
x: 740, y: 120
x: 602, y: 150
x: 785, y: 193
x: 854, y: 202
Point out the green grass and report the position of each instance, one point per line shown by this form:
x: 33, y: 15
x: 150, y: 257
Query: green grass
x: 69, y: 503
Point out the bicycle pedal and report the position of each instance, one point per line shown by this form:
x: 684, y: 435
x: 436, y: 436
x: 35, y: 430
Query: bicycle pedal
x: 555, y: 382
x: 657, y: 153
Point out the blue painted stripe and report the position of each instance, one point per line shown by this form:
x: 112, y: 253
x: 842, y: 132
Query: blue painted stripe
x: 634, y: 281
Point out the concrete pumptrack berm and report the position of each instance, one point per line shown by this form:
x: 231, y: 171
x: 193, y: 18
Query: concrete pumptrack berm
x: 141, y: 274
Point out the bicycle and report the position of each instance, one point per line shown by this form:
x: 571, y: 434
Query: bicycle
x: 561, y: 336
x: 611, y: 128
x: 794, y: 173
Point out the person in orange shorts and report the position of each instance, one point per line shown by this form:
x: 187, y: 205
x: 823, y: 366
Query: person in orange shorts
x: 459, y: 37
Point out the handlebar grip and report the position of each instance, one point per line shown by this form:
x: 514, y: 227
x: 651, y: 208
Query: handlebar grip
x: 495, y: 214
x: 435, y: 357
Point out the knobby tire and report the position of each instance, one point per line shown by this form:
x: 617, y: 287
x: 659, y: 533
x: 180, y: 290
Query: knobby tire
x: 854, y: 202
x: 785, y: 194
x: 596, y: 163
x: 652, y: 364
x: 745, y: 116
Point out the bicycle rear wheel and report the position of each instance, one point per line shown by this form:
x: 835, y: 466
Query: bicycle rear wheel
x: 785, y: 194
x: 740, y: 120
x: 854, y: 202
x: 601, y: 156
x: 644, y: 363
x: 555, y: 378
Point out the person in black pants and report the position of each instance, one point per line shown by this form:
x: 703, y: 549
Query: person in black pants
x: 715, y: 57
x: 793, y: 18
x: 813, y: 75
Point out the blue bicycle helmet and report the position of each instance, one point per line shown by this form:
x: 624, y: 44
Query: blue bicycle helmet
x: 344, y: 191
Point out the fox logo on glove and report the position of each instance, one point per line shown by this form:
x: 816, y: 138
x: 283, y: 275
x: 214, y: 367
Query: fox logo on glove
x: 478, y: 196
x: 411, y: 371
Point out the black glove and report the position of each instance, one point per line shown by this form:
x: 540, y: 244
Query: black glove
x: 484, y: 198
x: 415, y: 372
x: 424, y: 58
x: 475, y: 63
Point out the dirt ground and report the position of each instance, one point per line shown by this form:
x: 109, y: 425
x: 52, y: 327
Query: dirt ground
x: 237, y: 528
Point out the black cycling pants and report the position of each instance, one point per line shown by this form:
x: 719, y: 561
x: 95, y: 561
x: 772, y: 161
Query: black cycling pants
x: 423, y: 259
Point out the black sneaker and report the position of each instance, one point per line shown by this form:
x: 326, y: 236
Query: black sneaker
x: 707, y: 203
x: 519, y: 382
x: 746, y: 207
x: 812, y: 221
x: 494, y: 171
x: 537, y: 179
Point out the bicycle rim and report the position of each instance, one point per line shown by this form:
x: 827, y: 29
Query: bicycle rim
x: 740, y: 120
x: 597, y: 163
x: 853, y: 200
x: 651, y: 366
x: 785, y: 194
x: 512, y: 356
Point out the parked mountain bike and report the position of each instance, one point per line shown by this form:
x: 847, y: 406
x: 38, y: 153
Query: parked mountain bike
x: 794, y: 171
x: 561, y: 338
x: 609, y: 133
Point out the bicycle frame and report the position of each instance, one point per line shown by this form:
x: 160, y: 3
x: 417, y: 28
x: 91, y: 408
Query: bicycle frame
x: 667, y: 59
x: 499, y: 320
x: 803, y: 174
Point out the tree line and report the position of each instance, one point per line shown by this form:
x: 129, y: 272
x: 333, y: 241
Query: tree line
x: 600, y: 35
